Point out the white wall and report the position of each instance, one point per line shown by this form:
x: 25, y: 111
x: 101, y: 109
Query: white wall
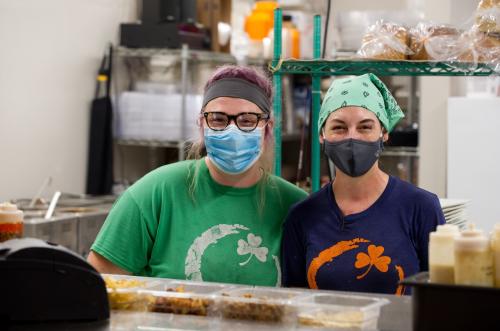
x: 50, y: 51
x: 474, y: 157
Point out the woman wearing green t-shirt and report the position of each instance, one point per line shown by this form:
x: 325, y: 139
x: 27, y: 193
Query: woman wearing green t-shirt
x: 216, y: 218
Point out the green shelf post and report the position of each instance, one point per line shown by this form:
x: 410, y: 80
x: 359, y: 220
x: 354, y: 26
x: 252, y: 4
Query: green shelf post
x: 277, y: 91
x: 316, y: 100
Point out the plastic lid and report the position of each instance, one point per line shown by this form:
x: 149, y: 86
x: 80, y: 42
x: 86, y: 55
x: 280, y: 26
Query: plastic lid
x: 496, y: 232
x: 471, y: 231
x: 446, y: 229
x: 8, y: 207
x: 9, y: 213
x: 471, y: 238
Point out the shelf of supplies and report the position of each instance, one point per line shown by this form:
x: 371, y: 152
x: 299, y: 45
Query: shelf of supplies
x: 381, y: 68
x: 195, y: 55
x: 400, y: 151
x: 148, y: 143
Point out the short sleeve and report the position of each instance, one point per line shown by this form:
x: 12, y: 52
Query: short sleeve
x: 125, y: 238
x: 430, y: 216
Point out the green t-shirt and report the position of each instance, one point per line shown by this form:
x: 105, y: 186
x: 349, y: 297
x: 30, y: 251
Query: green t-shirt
x: 159, y: 228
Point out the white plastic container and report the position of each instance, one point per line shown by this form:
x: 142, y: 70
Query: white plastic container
x: 495, y: 247
x: 442, y: 254
x: 473, y: 258
x: 186, y: 298
x: 327, y: 311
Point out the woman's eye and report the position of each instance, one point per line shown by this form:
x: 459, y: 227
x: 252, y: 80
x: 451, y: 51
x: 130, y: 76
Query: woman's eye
x: 338, y: 128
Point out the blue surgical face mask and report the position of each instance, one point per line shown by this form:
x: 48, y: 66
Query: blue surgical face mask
x: 232, y: 150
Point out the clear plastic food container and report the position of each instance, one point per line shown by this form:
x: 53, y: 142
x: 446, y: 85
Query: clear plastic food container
x: 124, y: 292
x: 185, y: 298
x: 258, y: 304
x: 338, y: 311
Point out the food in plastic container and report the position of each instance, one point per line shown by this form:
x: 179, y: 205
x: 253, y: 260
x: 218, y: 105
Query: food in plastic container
x: 186, y: 298
x: 488, y: 16
x: 339, y: 311
x: 385, y: 40
x: 124, y: 292
x: 430, y: 35
x: 11, y: 222
x: 259, y: 304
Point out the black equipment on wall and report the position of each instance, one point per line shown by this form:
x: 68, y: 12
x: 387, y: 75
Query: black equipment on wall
x: 159, y: 24
x: 100, y: 150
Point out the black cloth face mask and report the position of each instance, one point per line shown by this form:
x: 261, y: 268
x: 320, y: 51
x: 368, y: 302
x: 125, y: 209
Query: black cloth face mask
x: 354, y: 157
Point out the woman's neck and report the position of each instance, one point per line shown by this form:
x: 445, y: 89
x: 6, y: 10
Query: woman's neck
x: 367, y: 187
x: 246, y: 179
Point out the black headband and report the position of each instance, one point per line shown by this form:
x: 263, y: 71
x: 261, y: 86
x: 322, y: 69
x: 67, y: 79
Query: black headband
x: 237, y: 88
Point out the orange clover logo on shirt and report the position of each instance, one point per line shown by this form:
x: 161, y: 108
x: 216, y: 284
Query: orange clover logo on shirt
x: 373, y: 258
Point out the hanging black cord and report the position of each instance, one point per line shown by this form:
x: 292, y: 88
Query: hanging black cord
x: 326, y: 28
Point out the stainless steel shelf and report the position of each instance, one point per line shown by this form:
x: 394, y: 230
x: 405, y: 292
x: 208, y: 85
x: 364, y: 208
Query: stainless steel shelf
x: 194, y: 55
x: 149, y: 143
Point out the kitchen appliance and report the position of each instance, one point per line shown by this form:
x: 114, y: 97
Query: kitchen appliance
x: 43, y: 282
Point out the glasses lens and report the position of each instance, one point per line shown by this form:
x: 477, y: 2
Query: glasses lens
x: 247, y: 122
x: 217, y: 121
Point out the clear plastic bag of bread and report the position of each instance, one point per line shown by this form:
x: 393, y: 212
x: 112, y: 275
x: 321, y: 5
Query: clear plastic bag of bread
x: 487, y: 16
x: 428, y: 40
x: 466, y: 50
x: 386, y: 41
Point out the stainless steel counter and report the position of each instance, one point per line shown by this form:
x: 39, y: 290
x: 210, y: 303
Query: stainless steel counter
x: 396, y: 316
x: 74, y: 228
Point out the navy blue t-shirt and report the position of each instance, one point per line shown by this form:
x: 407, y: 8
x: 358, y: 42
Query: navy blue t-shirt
x: 370, y: 251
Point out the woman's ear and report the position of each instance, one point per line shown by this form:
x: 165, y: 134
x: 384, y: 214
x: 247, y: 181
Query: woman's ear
x: 321, y: 138
x: 385, y: 135
x: 270, y: 123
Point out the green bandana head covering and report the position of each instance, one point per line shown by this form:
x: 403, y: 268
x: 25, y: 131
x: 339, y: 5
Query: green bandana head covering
x: 366, y: 91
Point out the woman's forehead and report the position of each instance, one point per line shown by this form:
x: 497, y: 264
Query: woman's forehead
x: 352, y: 114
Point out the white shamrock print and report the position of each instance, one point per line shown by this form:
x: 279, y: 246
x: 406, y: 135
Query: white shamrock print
x: 252, y: 247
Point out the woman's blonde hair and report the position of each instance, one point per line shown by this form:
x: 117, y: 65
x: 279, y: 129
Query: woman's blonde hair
x: 196, y: 150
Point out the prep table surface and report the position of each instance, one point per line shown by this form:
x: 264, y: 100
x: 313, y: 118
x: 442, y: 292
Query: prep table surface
x: 396, y: 316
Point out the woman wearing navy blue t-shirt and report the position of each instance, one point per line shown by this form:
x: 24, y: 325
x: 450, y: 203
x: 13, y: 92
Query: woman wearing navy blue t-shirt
x: 366, y: 230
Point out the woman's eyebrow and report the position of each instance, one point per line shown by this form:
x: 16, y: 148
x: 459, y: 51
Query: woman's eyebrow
x: 367, y: 120
x: 336, y: 120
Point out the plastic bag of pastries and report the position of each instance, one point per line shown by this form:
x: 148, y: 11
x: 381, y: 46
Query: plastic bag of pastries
x: 428, y: 39
x: 385, y: 40
x: 482, y: 48
x: 487, y: 16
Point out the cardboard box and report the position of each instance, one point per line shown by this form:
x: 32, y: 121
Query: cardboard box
x: 210, y: 13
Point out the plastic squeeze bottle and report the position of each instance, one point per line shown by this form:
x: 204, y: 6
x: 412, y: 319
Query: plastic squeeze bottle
x: 473, y: 258
x: 495, y: 247
x: 442, y: 254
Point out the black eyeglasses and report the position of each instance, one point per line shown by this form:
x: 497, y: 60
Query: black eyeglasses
x: 246, y: 122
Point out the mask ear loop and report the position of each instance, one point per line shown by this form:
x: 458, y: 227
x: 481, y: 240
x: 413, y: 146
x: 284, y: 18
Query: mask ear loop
x: 382, y: 147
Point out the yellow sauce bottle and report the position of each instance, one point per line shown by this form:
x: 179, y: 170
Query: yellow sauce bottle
x: 495, y: 247
x: 473, y: 258
x: 442, y: 254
